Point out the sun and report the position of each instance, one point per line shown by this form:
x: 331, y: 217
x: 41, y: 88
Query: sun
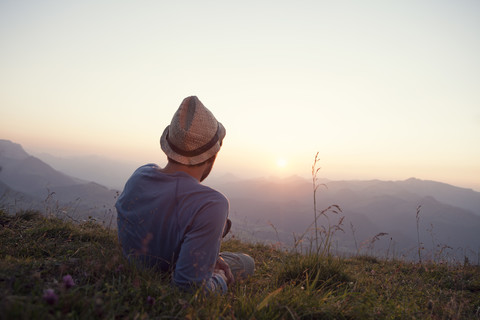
x: 281, y: 162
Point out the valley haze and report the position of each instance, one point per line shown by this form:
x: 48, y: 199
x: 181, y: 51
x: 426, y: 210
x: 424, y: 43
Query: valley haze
x: 268, y: 209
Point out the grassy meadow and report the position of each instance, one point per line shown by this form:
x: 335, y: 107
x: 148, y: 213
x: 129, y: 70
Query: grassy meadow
x: 55, y: 269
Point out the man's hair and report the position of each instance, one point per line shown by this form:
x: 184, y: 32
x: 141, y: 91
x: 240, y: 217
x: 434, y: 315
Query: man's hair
x: 211, y: 159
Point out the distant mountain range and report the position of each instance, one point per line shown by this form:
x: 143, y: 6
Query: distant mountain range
x: 109, y: 172
x: 26, y: 182
x: 449, y: 217
x: 277, y: 210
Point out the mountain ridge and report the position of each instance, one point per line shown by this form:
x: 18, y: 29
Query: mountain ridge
x: 280, y: 209
x: 25, y: 178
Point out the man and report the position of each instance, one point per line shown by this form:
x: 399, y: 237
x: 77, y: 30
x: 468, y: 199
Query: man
x: 168, y: 220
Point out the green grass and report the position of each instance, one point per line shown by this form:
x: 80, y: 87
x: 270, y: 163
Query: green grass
x: 37, y: 252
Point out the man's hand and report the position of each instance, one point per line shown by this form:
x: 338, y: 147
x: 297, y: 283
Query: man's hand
x: 221, y: 273
x: 223, y: 268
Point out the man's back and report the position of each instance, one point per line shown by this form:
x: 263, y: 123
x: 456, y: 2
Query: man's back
x: 172, y: 222
x: 168, y: 220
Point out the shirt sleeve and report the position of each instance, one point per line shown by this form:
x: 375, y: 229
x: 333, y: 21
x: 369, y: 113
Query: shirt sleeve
x: 200, y: 248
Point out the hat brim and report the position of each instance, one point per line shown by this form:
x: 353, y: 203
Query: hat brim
x: 195, y: 159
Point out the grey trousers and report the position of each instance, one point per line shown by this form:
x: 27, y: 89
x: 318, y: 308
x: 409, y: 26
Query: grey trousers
x: 241, y: 264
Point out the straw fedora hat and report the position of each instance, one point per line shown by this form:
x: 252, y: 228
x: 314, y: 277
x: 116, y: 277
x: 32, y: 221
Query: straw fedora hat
x: 194, y: 135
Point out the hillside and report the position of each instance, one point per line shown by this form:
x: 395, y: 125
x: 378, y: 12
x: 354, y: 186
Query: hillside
x: 53, y: 269
x: 274, y: 209
x: 36, y: 185
x: 270, y: 210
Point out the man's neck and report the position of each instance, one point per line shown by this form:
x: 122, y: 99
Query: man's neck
x: 195, y: 172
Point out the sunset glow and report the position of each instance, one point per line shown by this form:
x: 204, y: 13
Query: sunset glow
x: 382, y: 90
x: 281, y: 163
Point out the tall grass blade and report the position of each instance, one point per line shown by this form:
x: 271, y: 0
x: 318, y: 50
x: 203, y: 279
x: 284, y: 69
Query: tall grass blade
x: 267, y: 299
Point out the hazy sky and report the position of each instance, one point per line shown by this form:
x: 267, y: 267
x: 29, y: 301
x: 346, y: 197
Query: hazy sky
x: 382, y: 89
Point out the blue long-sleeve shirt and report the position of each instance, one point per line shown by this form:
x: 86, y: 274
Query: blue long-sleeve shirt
x: 174, y: 223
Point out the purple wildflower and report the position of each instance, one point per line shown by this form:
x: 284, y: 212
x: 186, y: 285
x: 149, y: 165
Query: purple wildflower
x: 150, y: 300
x: 68, y: 281
x: 50, y: 297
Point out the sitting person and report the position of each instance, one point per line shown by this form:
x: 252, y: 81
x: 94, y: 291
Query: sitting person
x: 168, y: 220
